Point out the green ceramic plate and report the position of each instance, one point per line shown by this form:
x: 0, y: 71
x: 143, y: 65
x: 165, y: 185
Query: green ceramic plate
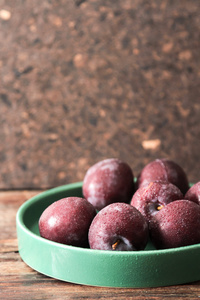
x: 148, y: 268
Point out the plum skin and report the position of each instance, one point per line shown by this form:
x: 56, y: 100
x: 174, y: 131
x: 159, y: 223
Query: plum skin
x: 153, y: 197
x: 164, y: 170
x: 67, y: 221
x: 176, y: 225
x: 193, y: 194
x: 108, y: 181
x: 120, y: 227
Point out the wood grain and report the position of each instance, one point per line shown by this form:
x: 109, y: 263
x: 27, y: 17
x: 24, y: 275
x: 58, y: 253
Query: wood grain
x: 18, y: 281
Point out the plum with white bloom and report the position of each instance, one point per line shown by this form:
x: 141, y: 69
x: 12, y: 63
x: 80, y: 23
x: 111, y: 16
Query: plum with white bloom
x: 67, y: 221
x: 118, y: 227
x: 108, y: 181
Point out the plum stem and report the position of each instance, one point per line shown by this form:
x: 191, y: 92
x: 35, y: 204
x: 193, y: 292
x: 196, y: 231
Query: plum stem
x: 114, y: 246
x: 159, y: 207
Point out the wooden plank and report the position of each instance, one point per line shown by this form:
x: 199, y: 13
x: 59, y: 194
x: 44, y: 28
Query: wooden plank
x: 18, y: 281
x: 16, y: 198
x: 10, y: 201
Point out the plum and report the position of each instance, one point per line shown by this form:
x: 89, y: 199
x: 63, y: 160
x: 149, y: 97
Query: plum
x: 176, y: 225
x: 67, y: 221
x: 118, y: 227
x: 150, y: 199
x: 108, y: 181
x: 164, y: 170
x: 193, y: 194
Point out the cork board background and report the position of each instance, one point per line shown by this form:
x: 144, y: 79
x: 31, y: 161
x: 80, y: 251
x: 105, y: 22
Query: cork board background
x: 81, y: 81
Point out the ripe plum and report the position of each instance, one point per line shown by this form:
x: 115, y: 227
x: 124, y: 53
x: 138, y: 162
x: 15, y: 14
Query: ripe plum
x: 193, y: 194
x: 108, y: 181
x: 118, y: 227
x: 164, y: 170
x: 150, y: 199
x: 176, y: 225
x: 67, y: 221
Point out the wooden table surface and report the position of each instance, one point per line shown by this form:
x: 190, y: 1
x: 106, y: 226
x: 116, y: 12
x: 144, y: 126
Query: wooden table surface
x: 18, y: 281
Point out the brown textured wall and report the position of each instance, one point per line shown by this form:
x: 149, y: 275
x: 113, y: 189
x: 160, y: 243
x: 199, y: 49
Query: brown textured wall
x: 81, y: 81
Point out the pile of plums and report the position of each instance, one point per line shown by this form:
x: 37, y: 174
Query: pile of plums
x: 119, y: 213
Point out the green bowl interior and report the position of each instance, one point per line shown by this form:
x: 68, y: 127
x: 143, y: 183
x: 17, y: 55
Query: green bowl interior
x: 146, y: 268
